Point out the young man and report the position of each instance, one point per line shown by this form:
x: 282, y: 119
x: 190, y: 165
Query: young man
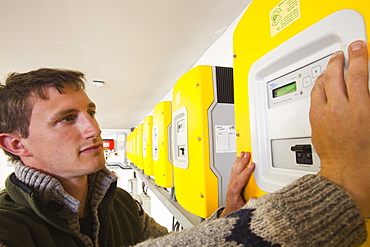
x: 61, y: 194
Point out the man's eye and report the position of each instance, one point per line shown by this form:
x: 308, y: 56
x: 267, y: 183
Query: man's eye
x: 67, y: 119
x: 92, y: 113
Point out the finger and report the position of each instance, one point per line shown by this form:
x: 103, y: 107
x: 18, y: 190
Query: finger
x: 318, y: 96
x: 318, y: 100
x: 247, y: 173
x: 238, y: 158
x: 242, y: 153
x: 236, y: 169
x: 333, y: 81
x: 242, y: 161
x: 241, y: 172
x: 357, y: 78
x: 247, y: 156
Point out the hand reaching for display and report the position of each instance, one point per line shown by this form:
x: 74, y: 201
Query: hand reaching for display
x: 239, y: 178
x: 340, y: 121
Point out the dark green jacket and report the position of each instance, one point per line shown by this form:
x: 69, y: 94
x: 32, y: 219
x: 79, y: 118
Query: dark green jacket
x: 23, y: 222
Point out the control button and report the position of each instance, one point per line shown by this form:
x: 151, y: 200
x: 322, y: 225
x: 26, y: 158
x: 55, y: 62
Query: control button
x: 307, y: 82
x: 316, y: 71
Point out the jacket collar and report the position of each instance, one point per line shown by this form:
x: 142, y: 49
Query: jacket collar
x: 45, y: 194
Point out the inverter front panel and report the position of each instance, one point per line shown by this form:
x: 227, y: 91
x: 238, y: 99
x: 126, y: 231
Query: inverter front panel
x: 161, y: 148
x: 147, y: 146
x: 203, y: 139
x: 280, y: 48
x: 139, y: 147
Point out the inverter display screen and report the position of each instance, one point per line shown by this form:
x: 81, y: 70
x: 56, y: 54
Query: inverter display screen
x: 283, y: 90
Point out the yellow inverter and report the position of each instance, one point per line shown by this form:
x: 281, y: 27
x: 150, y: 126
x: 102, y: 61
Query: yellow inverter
x: 133, y: 157
x: 129, y: 146
x: 203, y: 138
x: 280, y: 48
x: 161, y: 144
x: 139, y: 147
x: 147, y: 146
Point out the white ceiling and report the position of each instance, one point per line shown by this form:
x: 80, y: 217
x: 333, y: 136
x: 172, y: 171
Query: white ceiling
x: 138, y: 47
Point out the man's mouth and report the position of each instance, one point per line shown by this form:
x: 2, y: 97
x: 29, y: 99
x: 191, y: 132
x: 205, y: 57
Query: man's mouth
x: 92, y: 148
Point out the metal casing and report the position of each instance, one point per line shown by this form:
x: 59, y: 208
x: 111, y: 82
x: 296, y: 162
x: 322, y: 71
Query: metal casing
x: 163, y: 169
x: 129, y: 146
x: 261, y: 19
x: 133, y: 141
x: 139, y: 147
x: 201, y: 174
x: 147, y: 146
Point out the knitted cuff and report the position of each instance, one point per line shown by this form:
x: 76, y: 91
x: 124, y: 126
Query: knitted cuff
x: 311, y: 211
x: 216, y: 214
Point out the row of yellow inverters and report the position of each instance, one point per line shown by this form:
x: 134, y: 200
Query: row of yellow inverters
x: 189, y: 143
x: 280, y: 47
x: 148, y: 145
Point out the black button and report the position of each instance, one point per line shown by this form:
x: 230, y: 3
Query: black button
x: 55, y: 206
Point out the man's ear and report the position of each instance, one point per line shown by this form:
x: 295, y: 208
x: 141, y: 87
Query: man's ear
x: 11, y: 143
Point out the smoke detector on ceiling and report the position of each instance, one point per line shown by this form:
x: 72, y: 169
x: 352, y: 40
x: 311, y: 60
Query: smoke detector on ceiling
x: 98, y: 83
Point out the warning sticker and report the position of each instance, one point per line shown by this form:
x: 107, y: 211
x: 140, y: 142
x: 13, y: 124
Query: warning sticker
x: 225, y: 138
x: 284, y: 14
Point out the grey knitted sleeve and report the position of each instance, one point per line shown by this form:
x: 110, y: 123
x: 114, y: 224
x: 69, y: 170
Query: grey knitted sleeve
x: 311, y: 211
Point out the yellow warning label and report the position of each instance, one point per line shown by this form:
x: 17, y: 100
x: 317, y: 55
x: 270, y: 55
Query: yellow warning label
x: 284, y: 14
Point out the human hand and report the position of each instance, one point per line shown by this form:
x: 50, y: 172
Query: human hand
x: 340, y: 121
x: 239, y: 177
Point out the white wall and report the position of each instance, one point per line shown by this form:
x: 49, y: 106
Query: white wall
x: 6, y: 168
x: 220, y: 53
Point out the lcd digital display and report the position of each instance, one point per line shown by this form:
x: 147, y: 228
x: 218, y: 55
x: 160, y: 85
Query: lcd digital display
x: 286, y: 89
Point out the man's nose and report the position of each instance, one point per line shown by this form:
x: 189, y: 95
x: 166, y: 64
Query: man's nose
x: 89, y: 127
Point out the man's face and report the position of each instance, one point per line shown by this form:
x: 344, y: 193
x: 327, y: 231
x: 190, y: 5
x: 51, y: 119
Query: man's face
x: 64, y: 137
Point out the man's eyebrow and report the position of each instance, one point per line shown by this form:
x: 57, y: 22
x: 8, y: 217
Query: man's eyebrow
x: 91, y: 105
x: 63, y: 113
